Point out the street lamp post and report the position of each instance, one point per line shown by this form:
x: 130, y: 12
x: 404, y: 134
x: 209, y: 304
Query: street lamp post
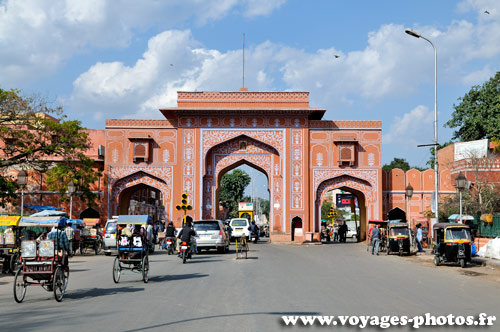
x: 71, y: 191
x: 22, y: 179
x: 409, y: 194
x: 461, y: 185
x: 436, y: 174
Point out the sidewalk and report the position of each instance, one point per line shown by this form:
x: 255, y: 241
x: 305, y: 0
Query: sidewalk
x: 480, y: 267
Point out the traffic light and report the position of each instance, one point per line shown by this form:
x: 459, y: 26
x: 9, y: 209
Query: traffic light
x: 332, y: 213
x: 184, y: 203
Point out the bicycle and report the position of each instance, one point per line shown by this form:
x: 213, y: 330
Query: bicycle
x: 242, y: 248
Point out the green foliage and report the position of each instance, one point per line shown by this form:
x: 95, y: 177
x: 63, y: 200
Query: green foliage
x: 233, y: 186
x: 400, y: 163
x: 34, y: 135
x: 477, y: 116
x: 325, y: 208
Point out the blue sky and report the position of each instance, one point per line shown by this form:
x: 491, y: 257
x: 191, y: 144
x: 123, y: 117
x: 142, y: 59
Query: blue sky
x: 125, y: 59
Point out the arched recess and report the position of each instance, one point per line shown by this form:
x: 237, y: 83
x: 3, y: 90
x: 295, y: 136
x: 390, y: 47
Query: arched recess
x: 236, y: 151
x: 296, y: 227
x: 360, y: 188
x: 122, y: 188
x: 89, y: 213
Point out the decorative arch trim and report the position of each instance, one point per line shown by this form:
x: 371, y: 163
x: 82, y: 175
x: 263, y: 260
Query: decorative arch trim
x: 273, y: 138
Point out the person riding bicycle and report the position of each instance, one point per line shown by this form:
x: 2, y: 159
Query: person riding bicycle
x: 255, y: 230
x: 186, y: 233
x: 170, y: 233
x: 61, y: 242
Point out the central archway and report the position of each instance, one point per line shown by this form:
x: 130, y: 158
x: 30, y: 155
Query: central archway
x: 233, y: 153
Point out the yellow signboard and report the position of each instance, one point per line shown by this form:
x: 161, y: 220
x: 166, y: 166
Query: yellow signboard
x: 9, y: 220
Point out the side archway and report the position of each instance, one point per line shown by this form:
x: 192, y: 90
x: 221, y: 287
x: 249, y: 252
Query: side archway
x: 122, y: 189
x: 360, y: 188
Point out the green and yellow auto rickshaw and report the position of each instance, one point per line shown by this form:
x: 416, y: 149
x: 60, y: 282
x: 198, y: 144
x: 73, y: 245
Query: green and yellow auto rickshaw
x: 452, y: 243
x: 398, y: 239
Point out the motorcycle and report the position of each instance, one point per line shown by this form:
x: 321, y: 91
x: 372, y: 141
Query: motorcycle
x: 184, y: 251
x: 254, y: 237
x: 170, y: 245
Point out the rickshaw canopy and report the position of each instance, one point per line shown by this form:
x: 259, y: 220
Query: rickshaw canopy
x: 378, y: 222
x: 91, y: 221
x: 76, y: 222
x: 9, y: 220
x: 448, y: 224
x: 40, y: 221
x: 133, y: 219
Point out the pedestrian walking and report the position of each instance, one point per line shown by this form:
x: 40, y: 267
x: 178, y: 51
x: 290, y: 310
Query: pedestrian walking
x: 419, y: 237
x: 375, y: 239
x: 70, y: 233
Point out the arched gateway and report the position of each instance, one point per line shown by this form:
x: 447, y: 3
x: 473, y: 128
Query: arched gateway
x: 209, y: 133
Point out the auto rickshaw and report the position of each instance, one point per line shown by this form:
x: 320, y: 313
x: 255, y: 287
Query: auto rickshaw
x: 452, y: 243
x: 91, y: 237
x: 382, y: 225
x: 398, y: 239
x: 10, y: 242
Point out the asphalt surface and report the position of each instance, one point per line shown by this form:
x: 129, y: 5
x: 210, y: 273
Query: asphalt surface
x: 216, y: 292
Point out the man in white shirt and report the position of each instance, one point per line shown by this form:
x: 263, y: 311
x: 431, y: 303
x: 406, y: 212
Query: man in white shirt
x: 70, y: 233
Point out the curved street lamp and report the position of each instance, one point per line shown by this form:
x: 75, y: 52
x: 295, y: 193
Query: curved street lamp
x: 71, y: 191
x: 22, y: 179
x: 461, y: 182
x: 436, y: 174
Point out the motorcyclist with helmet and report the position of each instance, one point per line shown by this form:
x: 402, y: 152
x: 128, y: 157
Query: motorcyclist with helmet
x: 186, y: 234
x: 254, y: 229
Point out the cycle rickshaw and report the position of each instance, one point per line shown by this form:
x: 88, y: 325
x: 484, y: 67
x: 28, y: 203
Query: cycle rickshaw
x: 90, y: 237
x: 132, y: 250
x: 41, y: 265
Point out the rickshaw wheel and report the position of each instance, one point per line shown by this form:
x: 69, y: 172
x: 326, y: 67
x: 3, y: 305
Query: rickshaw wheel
x: 437, y: 260
x: 462, y: 263
x: 19, y: 286
x: 116, y: 270
x: 14, y: 262
x: 59, y: 284
x: 145, y: 269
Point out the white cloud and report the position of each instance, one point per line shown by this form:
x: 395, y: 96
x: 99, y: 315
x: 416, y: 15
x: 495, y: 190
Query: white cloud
x: 414, y: 127
x: 262, y: 7
x: 478, y: 77
x: 38, y: 36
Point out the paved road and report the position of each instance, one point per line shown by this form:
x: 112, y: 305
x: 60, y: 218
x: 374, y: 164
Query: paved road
x: 219, y: 293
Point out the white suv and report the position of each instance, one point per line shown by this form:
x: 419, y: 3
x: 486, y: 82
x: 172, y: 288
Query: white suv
x: 110, y: 236
x: 240, y: 228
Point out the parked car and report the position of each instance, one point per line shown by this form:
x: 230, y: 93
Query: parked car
x: 240, y: 228
x: 210, y: 234
x: 109, y: 237
x: 351, y: 233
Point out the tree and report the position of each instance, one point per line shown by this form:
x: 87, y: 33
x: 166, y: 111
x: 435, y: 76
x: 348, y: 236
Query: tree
x: 233, y: 186
x: 36, y: 136
x: 400, y: 163
x: 476, y: 117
